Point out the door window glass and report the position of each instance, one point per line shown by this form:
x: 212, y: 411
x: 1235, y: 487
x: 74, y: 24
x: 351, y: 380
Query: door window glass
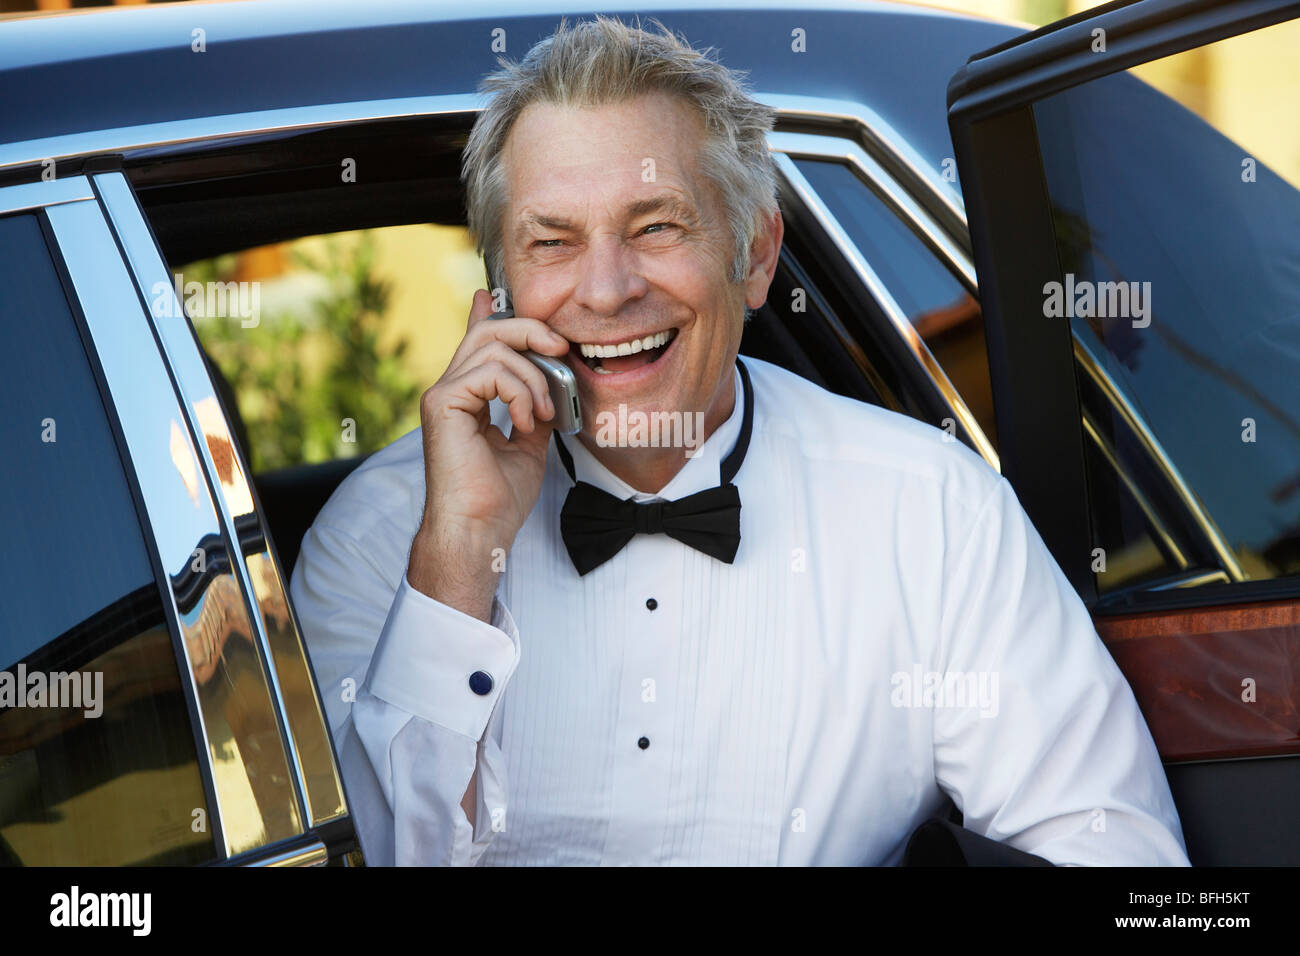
x: 1178, y: 231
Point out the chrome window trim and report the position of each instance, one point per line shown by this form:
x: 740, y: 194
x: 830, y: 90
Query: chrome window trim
x: 886, y: 188
x: 1195, y: 581
x: 191, y: 380
x: 877, y: 138
x: 873, y: 134
x: 170, y: 607
x: 138, y: 378
x: 310, y: 854
x: 213, y: 129
x: 1087, y: 361
x: 28, y: 197
x: 920, y: 352
x: 1094, y: 434
x: 119, y: 220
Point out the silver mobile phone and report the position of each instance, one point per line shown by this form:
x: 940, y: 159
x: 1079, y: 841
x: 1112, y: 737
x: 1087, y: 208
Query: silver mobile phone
x: 561, y: 382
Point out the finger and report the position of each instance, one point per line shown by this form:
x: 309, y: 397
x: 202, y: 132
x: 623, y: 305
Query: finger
x: 534, y: 441
x: 522, y: 367
x: 493, y: 379
x: 480, y: 308
x: 521, y: 334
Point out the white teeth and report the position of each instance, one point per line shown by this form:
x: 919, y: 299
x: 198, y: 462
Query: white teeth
x: 630, y: 347
x: 601, y: 370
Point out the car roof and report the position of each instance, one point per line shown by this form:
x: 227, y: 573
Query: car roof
x: 134, y: 66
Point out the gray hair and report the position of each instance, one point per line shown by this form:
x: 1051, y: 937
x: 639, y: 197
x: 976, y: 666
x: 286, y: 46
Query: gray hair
x: 604, y: 60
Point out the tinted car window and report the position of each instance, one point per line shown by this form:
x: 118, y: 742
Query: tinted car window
x: 97, y: 756
x: 1180, y: 254
x: 945, y: 315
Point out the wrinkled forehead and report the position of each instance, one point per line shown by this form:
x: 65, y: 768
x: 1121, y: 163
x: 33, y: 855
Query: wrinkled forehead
x: 610, y: 154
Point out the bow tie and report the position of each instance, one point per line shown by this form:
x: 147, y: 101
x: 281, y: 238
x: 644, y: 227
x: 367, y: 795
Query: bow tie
x: 596, y: 525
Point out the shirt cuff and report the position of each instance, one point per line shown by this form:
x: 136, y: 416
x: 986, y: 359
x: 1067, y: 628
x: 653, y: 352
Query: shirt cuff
x: 427, y: 654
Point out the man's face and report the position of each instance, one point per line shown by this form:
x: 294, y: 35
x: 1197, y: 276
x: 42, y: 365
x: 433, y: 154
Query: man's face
x: 612, y: 236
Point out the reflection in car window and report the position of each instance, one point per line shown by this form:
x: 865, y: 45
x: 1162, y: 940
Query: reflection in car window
x: 1180, y: 251
x: 97, y: 756
x: 945, y: 315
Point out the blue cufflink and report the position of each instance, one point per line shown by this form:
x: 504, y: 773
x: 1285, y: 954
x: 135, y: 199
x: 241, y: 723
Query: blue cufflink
x: 480, y: 682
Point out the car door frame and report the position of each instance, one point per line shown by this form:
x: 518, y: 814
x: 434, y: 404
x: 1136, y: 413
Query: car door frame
x: 96, y: 243
x: 1031, y: 361
x: 1166, y: 640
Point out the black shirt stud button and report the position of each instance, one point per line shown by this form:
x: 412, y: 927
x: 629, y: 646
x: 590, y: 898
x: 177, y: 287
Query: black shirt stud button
x: 651, y: 603
x: 480, y: 683
x: 643, y: 743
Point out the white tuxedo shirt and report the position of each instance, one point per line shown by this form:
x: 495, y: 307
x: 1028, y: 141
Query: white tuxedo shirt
x: 892, y: 633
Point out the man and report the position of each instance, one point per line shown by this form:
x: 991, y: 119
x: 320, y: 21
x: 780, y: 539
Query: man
x: 841, y: 621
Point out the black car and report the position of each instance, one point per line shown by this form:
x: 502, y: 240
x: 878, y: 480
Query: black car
x: 1026, y: 246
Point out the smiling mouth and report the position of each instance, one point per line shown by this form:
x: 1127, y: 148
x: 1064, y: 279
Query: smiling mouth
x: 626, y: 356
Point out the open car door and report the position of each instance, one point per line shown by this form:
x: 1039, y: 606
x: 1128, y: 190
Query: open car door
x: 1136, y: 234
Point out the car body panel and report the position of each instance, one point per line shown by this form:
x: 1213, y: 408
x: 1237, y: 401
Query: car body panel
x: 275, y: 55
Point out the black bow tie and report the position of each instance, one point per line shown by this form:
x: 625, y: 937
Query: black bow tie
x: 596, y: 525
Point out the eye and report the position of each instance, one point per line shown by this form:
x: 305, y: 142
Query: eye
x: 657, y: 226
x: 546, y: 243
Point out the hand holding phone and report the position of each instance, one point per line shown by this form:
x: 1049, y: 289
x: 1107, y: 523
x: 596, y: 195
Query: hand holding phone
x: 481, y: 484
x: 561, y: 383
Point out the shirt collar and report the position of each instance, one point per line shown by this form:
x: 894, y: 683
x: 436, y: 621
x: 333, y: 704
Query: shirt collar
x: 699, y: 473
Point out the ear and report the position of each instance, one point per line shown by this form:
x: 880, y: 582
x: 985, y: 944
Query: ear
x: 764, y: 253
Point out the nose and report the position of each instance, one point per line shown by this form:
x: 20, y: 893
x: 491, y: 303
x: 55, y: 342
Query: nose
x: 608, y: 276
